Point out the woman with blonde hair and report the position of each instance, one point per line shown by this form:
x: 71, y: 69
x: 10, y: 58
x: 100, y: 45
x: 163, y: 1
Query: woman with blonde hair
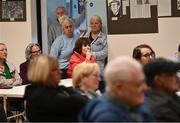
x: 86, y: 78
x: 8, y: 74
x: 45, y: 100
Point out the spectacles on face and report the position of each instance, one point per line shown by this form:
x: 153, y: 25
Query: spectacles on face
x: 70, y: 26
x: 38, y: 51
x: 3, y: 49
x: 149, y: 54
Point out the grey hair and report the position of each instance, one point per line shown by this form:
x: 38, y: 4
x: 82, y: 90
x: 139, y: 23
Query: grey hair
x: 98, y: 18
x: 29, y: 50
x: 120, y: 69
x: 67, y: 20
x: 62, y: 7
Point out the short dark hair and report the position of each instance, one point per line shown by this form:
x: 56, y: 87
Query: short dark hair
x: 179, y: 48
x: 137, y: 51
x: 79, y: 43
x: 114, y: 1
x: 159, y: 66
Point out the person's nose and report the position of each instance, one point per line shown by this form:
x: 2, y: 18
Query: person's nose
x: 145, y: 87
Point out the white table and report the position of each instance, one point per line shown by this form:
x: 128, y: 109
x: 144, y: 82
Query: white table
x: 16, y: 91
x: 66, y: 82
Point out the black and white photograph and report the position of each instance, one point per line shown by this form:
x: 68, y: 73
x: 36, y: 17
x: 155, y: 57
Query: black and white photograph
x: 178, y: 4
x: 13, y: 10
x: 134, y: 14
x: 168, y: 8
x: 115, y: 9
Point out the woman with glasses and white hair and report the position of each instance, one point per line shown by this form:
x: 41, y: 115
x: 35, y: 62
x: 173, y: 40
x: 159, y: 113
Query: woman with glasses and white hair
x: 33, y: 49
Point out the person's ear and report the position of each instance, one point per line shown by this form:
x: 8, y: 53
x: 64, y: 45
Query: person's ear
x: 118, y: 86
x: 158, y: 81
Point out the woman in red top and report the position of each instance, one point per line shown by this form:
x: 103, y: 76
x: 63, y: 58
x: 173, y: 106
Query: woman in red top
x: 82, y: 53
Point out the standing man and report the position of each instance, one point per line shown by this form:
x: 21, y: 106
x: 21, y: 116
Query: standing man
x: 124, y: 99
x: 62, y: 47
x: 55, y: 28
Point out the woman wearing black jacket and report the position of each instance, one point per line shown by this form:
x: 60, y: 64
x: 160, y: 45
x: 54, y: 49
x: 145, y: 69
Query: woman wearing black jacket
x: 45, y: 100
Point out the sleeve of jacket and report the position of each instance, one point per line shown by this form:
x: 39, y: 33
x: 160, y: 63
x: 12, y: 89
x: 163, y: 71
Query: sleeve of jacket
x: 102, y: 54
x: 23, y: 73
x: 17, y: 78
x: 73, y: 62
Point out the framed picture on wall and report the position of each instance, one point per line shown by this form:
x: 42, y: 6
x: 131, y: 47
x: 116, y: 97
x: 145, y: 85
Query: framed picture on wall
x: 12, y: 10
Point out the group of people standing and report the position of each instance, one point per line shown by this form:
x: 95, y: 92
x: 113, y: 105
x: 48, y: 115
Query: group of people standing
x: 71, y: 47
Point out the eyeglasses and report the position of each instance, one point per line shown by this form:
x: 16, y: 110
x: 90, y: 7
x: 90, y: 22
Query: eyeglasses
x: 149, y: 54
x: 38, y: 51
x: 70, y: 26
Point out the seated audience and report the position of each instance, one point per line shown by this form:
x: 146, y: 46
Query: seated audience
x: 143, y: 53
x: 8, y: 74
x: 123, y: 102
x: 32, y: 50
x: 86, y: 79
x: 98, y: 41
x: 82, y: 53
x: 62, y: 47
x: 45, y: 100
x: 162, y: 100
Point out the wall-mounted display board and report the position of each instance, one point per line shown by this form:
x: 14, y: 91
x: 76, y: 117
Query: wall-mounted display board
x: 132, y: 16
x: 168, y: 8
x: 12, y: 10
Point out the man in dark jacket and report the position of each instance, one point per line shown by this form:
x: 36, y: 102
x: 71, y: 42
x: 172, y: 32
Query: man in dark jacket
x: 162, y: 99
x: 124, y: 99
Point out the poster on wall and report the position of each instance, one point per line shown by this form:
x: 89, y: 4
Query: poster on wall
x: 12, y: 10
x: 132, y: 16
x: 168, y: 8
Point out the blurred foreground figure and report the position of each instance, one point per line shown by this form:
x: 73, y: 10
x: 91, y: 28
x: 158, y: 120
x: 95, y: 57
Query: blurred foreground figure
x: 45, y: 100
x: 161, y: 76
x: 124, y: 99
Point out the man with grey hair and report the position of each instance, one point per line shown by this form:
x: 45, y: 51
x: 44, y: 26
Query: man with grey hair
x: 55, y: 28
x: 62, y: 47
x: 124, y: 99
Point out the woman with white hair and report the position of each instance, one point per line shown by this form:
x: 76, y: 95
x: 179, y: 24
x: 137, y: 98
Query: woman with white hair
x: 33, y: 49
x: 98, y: 41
